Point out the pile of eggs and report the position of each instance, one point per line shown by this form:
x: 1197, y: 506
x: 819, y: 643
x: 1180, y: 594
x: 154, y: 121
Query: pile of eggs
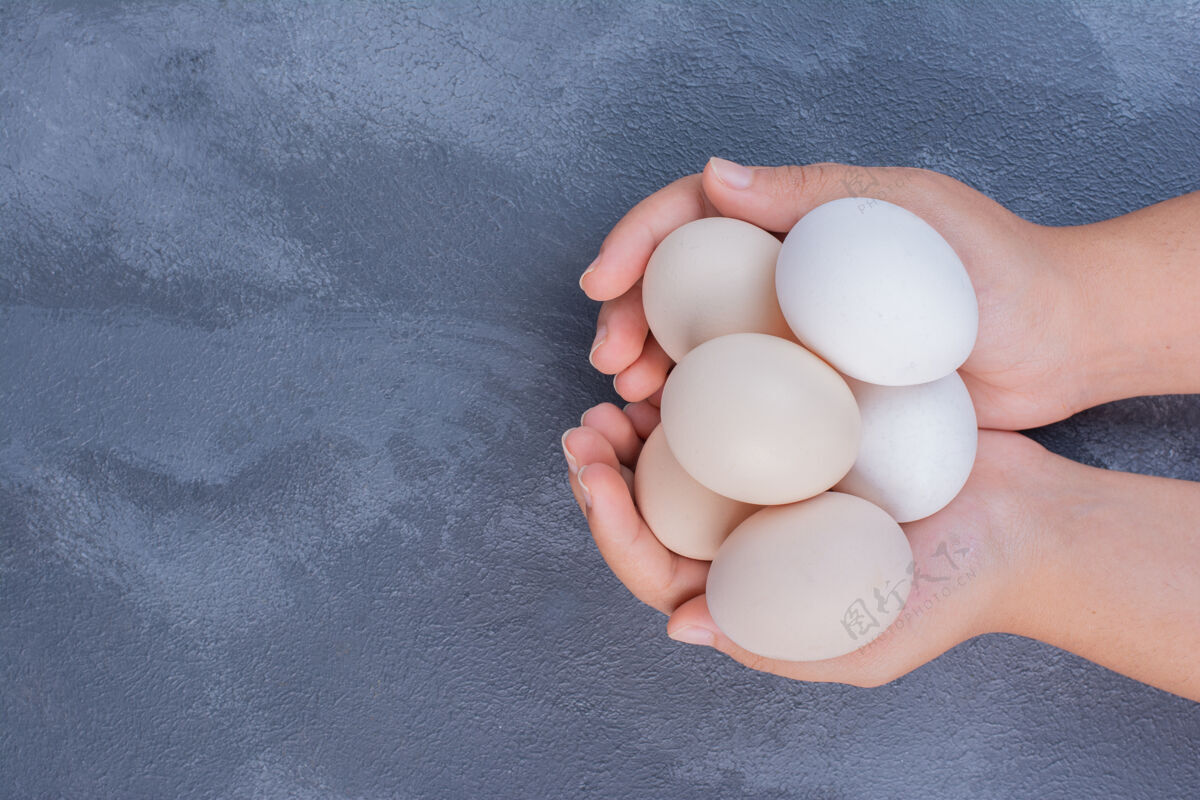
x: 814, y: 405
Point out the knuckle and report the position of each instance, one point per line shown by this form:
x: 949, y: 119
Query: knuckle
x: 796, y: 179
x: 802, y: 180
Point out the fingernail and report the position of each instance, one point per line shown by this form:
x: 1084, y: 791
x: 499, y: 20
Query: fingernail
x: 590, y: 268
x: 735, y: 176
x: 693, y: 634
x: 572, y: 464
x: 587, y: 495
x: 601, y: 337
x: 582, y: 417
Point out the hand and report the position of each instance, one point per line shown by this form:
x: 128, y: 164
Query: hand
x: 971, y: 558
x: 1019, y: 374
x: 1069, y: 318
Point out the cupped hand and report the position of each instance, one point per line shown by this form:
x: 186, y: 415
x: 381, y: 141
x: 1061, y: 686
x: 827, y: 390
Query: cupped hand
x: 971, y: 559
x: 1019, y: 372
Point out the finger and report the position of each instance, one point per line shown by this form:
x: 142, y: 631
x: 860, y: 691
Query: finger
x: 655, y: 399
x: 656, y: 576
x: 583, y: 449
x: 585, y: 446
x: 620, y: 332
x: 588, y: 446
x: 627, y: 474
x: 644, y: 416
x: 693, y: 624
x: 774, y: 198
x: 627, y: 248
x: 937, y: 615
x: 645, y: 376
x: 614, y: 425
x: 572, y: 483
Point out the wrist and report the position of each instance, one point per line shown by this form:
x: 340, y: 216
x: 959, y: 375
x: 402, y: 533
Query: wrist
x: 1026, y: 487
x: 1070, y: 505
x: 1132, y: 296
x: 1113, y: 578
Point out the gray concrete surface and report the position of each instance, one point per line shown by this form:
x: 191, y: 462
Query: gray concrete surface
x: 290, y: 329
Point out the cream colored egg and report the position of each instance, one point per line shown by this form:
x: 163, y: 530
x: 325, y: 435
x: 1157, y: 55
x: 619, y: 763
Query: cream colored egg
x: 918, y: 446
x: 709, y: 278
x: 811, y: 580
x: 760, y: 419
x: 687, y: 518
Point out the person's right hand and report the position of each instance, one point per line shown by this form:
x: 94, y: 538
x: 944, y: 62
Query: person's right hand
x: 973, y: 559
x: 1020, y: 372
x: 1034, y: 544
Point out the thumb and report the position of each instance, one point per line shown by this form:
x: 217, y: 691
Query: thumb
x: 900, y: 649
x: 692, y: 623
x: 774, y: 198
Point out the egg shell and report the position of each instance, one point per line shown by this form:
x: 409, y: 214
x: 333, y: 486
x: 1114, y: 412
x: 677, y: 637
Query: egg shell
x: 918, y: 446
x: 760, y: 419
x: 811, y: 580
x: 877, y: 292
x: 684, y: 515
x: 709, y: 278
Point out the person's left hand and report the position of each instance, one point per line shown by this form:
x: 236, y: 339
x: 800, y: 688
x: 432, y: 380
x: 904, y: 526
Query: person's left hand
x: 1028, y: 365
x: 970, y: 558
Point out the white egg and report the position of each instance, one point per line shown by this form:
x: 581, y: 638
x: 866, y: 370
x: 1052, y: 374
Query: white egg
x: 811, y: 580
x: 760, y: 419
x: 877, y: 292
x: 709, y: 278
x: 918, y: 446
x: 687, y: 517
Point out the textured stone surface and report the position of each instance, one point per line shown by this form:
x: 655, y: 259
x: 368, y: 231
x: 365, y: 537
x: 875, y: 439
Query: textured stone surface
x: 289, y: 330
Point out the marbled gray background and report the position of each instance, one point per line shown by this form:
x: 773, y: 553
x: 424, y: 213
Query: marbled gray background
x: 290, y: 330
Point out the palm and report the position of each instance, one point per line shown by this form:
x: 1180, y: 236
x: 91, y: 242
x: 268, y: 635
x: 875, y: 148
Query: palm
x: 1014, y: 371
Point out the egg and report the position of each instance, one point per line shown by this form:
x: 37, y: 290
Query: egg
x: 811, y: 580
x: 760, y: 419
x: 709, y: 278
x: 684, y: 515
x: 877, y: 292
x: 918, y: 446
